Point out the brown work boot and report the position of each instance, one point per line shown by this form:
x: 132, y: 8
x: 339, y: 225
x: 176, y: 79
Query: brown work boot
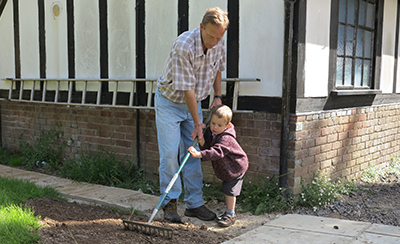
x: 201, y: 212
x: 170, y: 212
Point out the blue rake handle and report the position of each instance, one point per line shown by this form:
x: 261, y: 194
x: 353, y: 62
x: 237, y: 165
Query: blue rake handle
x: 172, y: 182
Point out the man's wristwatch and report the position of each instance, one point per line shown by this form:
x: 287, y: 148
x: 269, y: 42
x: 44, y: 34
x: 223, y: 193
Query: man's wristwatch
x: 218, y: 96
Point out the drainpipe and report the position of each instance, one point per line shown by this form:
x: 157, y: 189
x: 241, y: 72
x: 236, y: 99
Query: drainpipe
x: 286, y: 85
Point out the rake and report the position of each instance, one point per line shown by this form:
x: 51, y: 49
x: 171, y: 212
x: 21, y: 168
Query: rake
x: 157, y: 230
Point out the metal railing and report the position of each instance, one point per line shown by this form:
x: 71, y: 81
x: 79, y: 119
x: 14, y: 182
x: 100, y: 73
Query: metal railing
x: 112, y: 84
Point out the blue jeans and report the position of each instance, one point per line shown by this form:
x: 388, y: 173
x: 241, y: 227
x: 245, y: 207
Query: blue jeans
x: 174, y: 128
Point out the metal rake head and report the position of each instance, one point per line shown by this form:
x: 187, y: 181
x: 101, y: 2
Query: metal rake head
x: 148, y: 229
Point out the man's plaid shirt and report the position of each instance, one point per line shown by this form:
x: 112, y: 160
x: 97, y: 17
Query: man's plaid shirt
x: 187, y: 67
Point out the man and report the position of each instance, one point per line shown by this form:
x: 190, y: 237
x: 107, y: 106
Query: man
x: 193, y: 67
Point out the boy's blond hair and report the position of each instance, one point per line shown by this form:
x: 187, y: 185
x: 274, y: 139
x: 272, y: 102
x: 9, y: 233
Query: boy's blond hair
x: 222, y: 111
x: 216, y: 16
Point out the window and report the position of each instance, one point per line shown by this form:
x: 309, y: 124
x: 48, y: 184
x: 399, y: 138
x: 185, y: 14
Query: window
x: 356, y: 38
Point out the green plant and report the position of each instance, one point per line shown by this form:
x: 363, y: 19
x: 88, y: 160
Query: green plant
x: 48, y: 148
x: 264, y: 197
x: 394, y: 167
x: 373, y: 173
x: 213, y: 191
x: 104, y: 168
x: 5, y: 155
x: 322, y: 191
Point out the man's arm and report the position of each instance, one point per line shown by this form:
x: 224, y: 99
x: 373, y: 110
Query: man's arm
x: 217, y: 90
x: 191, y: 103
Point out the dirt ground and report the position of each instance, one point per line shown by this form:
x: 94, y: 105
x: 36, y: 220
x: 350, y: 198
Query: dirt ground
x: 72, y: 222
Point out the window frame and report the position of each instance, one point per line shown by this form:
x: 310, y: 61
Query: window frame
x: 376, y: 55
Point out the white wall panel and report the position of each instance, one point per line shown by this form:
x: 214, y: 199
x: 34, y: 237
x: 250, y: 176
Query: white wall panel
x: 317, y: 48
x: 121, y: 36
x: 29, y: 38
x: 56, y: 39
x: 122, y: 41
x: 261, y: 46
x: 87, y: 41
x: 7, y: 67
x: 161, y: 30
x: 388, y: 46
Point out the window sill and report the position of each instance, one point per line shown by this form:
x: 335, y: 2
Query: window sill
x: 355, y: 92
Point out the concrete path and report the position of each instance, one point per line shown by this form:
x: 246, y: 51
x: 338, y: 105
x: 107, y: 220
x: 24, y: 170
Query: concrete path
x: 301, y: 229
x: 97, y: 194
x: 291, y: 228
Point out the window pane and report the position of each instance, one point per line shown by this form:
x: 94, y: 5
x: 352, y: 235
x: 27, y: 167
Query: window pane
x: 349, y: 41
x: 340, y: 47
x: 348, y: 71
x: 350, y: 12
x: 342, y: 11
x: 358, y: 72
x: 368, y: 42
x: 367, y: 68
x: 360, y: 43
x: 370, y: 14
x: 339, y: 71
x: 361, y: 14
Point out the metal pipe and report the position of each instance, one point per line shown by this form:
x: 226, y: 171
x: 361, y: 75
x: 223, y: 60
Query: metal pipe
x: 286, y: 86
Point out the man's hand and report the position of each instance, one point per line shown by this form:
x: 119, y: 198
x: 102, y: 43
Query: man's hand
x: 198, y: 131
x: 215, y: 102
x: 194, y: 152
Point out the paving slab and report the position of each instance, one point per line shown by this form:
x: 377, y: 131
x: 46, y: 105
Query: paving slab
x: 319, y: 224
x: 295, y: 228
x: 272, y: 234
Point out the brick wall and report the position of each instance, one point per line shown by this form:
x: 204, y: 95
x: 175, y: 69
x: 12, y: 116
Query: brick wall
x: 114, y: 129
x: 340, y: 143
x: 343, y: 143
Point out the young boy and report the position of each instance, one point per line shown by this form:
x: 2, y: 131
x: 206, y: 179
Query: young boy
x: 228, y: 159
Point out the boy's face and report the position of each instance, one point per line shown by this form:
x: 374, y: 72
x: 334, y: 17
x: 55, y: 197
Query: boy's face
x: 217, y: 125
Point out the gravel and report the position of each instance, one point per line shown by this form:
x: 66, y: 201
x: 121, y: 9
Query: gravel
x: 374, y: 202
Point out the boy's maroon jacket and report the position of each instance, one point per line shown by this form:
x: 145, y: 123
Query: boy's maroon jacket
x: 228, y: 158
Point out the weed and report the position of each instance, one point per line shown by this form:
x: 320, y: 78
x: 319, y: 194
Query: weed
x: 104, y: 168
x: 213, y: 191
x: 394, y: 167
x: 322, y: 191
x: 264, y: 197
x: 48, y: 148
x: 5, y: 156
x: 374, y: 173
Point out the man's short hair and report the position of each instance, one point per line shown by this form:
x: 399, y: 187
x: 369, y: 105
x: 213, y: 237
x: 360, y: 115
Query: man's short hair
x: 216, y: 16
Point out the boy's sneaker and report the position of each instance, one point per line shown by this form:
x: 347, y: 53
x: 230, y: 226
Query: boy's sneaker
x: 226, y: 220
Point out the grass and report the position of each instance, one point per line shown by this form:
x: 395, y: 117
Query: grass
x: 17, y: 223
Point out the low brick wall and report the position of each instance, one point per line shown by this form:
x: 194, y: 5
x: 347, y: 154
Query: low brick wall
x: 343, y: 143
x: 114, y: 129
x: 340, y: 143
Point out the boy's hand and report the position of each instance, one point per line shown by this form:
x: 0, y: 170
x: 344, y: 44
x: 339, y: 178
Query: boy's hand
x: 194, y: 152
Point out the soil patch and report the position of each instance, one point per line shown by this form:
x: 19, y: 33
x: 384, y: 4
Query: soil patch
x: 72, y: 222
